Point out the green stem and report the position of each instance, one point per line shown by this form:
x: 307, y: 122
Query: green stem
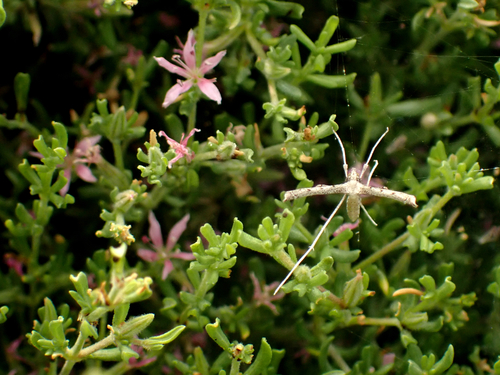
x: 135, y: 97
x: 255, y: 44
x: 272, y: 151
x: 118, y: 369
x: 433, y: 37
x: 205, y: 286
x: 441, y: 203
x: 276, y: 150
x: 41, y: 221
x: 155, y: 196
x: 235, y: 367
x: 117, y: 151
x: 200, y: 35
x: 210, y: 155
x: 307, y: 69
x: 273, y: 92
x: 398, y: 241
x: 332, y: 297
x: 337, y: 357
x: 84, y: 353
x: 52, y: 368
x: 303, y: 230
x: 75, y: 350
x: 364, y: 321
x: 223, y: 41
x: 200, y: 42
x: 103, y: 323
x: 68, y: 366
x: 432, y: 184
x: 191, y: 121
x: 383, y: 251
x: 283, y: 258
x: 366, y: 139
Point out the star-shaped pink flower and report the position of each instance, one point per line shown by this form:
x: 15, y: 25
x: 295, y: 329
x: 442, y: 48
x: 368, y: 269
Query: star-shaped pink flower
x: 163, y: 251
x: 263, y: 295
x: 181, y: 149
x: 86, y: 151
x: 194, y: 75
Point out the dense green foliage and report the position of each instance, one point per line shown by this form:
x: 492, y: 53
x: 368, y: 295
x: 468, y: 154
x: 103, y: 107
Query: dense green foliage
x: 92, y: 281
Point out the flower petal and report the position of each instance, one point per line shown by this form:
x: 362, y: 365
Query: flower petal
x: 175, y: 232
x: 171, y: 67
x: 67, y: 174
x: 85, y: 173
x: 174, y: 92
x: 85, y: 144
x: 167, y: 268
x: 209, y: 89
x: 147, y: 255
x: 183, y: 255
x: 211, y: 62
x: 171, y: 142
x: 188, y: 53
x: 345, y: 226
x: 184, y: 141
x: 13, y: 262
x: 171, y: 162
x: 155, y: 231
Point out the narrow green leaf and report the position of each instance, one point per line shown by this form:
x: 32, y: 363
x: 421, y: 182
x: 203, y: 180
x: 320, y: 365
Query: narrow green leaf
x: 214, y: 330
x: 331, y: 82
x: 262, y: 360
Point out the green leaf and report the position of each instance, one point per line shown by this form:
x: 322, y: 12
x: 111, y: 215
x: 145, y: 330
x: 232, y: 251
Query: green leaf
x: 88, y: 330
x: 262, y: 360
x: 3, y: 16
x: 327, y: 32
x: 214, y: 330
x: 467, y: 4
x: 285, y: 8
x: 4, y: 309
x: 414, y: 369
x: 133, y: 326
x: 340, y: 47
x: 302, y: 37
x: 331, y: 82
x: 120, y: 314
x: 157, y: 342
x: 444, y: 363
x: 343, y: 256
x: 21, y: 81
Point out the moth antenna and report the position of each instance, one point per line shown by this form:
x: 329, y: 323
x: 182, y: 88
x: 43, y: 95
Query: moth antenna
x: 345, y: 166
x: 365, y: 166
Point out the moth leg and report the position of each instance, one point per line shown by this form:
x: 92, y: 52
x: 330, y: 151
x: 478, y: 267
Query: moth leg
x: 311, y: 248
x: 367, y: 214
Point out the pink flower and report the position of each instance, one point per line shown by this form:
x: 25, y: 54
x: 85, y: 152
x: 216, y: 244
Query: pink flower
x: 85, y: 151
x: 163, y: 251
x: 187, y: 68
x: 264, y: 296
x: 133, y: 55
x: 345, y: 226
x: 143, y: 359
x: 14, y: 262
x: 181, y: 148
x: 12, y: 352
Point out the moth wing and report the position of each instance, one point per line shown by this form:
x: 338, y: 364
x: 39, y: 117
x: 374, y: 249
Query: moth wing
x: 315, y: 190
x: 387, y: 193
